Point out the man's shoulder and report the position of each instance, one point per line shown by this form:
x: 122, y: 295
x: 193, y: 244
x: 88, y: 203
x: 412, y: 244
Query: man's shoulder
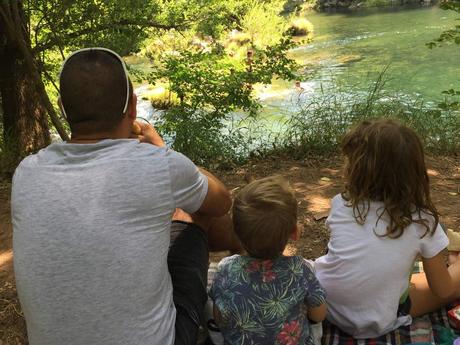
x: 30, y: 160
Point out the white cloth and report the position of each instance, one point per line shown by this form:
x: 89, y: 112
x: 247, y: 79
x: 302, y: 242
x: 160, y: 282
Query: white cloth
x: 91, y: 236
x: 365, y: 275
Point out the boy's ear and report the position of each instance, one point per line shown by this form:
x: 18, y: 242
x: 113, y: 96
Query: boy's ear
x: 295, y: 233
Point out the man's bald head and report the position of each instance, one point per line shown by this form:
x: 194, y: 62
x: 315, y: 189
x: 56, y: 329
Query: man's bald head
x: 93, y: 91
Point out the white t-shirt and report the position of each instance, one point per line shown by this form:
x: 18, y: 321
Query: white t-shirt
x: 91, y: 236
x: 365, y: 275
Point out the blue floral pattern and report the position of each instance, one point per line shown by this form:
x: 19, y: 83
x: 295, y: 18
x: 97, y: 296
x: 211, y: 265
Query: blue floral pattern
x: 265, y: 301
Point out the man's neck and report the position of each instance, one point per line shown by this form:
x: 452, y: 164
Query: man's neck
x: 94, y: 138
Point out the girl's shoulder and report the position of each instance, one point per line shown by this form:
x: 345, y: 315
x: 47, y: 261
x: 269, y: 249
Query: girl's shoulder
x: 338, y: 200
x: 340, y: 204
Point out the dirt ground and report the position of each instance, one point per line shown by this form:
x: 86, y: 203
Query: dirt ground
x: 316, y: 181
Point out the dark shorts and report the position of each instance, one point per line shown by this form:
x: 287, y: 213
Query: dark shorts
x: 188, y: 265
x: 404, y: 308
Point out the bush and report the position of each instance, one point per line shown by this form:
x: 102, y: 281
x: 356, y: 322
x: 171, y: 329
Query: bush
x: 161, y: 98
x: 204, y: 139
x: 300, y: 27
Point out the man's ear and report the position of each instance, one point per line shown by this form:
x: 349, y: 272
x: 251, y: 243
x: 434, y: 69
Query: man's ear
x: 132, y: 107
x: 295, y: 235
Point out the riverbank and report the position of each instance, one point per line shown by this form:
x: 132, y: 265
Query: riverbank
x: 315, y: 179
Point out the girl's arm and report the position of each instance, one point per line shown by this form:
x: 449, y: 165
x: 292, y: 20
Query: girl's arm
x: 317, y: 314
x: 440, y: 279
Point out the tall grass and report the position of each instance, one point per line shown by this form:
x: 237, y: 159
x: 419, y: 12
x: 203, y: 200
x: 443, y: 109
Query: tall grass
x: 322, y: 122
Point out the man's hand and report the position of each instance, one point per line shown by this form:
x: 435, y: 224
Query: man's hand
x: 146, y: 133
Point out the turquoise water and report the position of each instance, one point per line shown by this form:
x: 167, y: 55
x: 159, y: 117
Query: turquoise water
x: 350, y: 49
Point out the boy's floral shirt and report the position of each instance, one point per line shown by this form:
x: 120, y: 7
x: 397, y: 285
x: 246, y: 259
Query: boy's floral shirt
x: 265, y: 301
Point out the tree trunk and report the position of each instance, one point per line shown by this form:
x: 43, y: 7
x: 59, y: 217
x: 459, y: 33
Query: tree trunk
x: 24, y: 99
x: 25, y: 125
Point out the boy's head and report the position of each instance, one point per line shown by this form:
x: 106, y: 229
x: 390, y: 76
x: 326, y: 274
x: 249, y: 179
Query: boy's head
x: 265, y: 216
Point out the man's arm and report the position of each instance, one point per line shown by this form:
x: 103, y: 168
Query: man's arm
x: 146, y: 133
x: 217, y: 201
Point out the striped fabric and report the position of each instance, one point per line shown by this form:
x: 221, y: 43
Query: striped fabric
x: 429, y: 329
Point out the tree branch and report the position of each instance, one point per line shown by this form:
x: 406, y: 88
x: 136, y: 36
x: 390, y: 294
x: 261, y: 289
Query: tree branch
x: 117, y: 24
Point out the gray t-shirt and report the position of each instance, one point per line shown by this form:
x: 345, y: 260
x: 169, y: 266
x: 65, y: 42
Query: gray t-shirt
x: 91, y: 235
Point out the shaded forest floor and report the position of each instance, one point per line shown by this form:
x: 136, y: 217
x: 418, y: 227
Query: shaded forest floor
x: 316, y: 181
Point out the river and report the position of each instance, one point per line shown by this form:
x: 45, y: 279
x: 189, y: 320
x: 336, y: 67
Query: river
x: 351, y: 48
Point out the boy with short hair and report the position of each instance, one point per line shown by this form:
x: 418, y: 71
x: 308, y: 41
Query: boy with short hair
x: 266, y: 297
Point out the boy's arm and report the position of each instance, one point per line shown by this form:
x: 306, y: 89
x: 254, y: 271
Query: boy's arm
x: 315, y: 298
x: 317, y: 314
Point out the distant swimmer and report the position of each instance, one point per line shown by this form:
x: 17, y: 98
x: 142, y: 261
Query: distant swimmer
x: 299, y: 87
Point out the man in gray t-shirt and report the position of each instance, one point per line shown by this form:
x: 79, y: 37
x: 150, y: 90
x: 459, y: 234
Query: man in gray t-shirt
x: 92, y: 222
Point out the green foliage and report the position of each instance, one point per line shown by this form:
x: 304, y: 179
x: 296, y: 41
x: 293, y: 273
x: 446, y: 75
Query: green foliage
x: 263, y: 23
x: 187, y: 42
x: 212, y: 66
x: 293, y: 6
x: 60, y: 26
x: 447, y: 37
x: 203, y: 139
x: 207, y: 81
x: 116, y: 24
x: 210, y: 87
x: 452, y: 35
x: 57, y: 27
x: 452, y: 101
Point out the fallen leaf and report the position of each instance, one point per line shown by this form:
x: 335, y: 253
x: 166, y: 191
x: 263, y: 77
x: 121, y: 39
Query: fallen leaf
x: 326, y: 179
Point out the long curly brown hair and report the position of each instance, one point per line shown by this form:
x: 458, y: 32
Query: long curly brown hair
x: 385, y: 162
